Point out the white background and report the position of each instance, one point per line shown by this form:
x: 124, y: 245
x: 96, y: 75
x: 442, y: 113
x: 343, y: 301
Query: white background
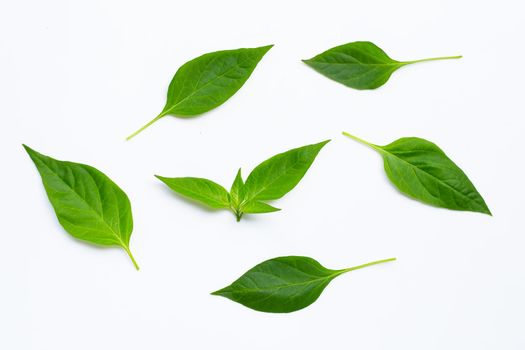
x: 77, y: 77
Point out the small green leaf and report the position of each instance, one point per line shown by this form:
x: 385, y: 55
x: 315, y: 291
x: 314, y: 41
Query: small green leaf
x: 237, y: 195
x: 208, y: 81
x: 237, y: 190
x: 360, y: 65
x: 256, y: 207
x: 201, y: 190
x: 284, y: 284
x: 272, y: 179
x: 87, y: 203
x: 421, y: 170
x: 278, y: 175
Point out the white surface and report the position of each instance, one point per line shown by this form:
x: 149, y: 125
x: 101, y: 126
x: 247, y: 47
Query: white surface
x: 77, y: 77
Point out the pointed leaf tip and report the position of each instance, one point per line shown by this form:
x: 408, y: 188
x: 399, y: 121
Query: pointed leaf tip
x: 27, y: 148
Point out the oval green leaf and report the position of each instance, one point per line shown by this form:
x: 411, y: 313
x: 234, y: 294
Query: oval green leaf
x: 87, y: 203
x: 421, y: 170
x: 237, y: 189
x: 360, y: 65
x: 208, y: 81
x: 279, y: 174
x: 284, y: 284
x: 256, y: 207
x: 201, y: 190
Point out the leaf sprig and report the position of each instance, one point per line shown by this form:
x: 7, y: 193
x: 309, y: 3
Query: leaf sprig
x: 270, y: 180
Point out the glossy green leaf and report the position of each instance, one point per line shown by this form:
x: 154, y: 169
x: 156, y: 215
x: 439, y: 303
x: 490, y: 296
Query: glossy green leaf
x: 201, y: 190
x: 208, y: 81
x: 270, y: 180
x: 237, y: 189
x: 87, y: 203
x: 278, y: 175
x: 421, y: 170
x: 256, y: 207
x: 284, y: 284
x: 237, y: 195
x: 360, y: 65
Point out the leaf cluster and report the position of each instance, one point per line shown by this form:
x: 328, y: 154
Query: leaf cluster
x: 270, y: 180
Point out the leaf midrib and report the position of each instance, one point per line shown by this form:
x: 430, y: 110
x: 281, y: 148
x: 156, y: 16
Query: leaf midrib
x: 359, y: 63
x: 251, y: 290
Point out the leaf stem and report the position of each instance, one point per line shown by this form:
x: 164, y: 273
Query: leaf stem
x: 132, y: 258
x: 361, y: 140
x: 433, y: 59
x: 162, y: 114
x: 366, y: 265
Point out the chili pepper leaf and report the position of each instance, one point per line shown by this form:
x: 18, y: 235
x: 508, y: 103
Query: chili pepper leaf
x: 87, y: 203
x: 256, y: 207
x: 360, y: 65
x: 421, y: 170
x: 237, y: 190
x: 271, y: 179
x: 284, y: 284
x: 201, y: 190
x: 278, y: 175
x: 208, y: 81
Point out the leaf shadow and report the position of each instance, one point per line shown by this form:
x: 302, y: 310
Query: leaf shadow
x: 252, y: 217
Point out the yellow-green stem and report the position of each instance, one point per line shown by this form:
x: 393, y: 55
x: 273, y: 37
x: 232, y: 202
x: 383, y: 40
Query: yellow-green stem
x: 433, y: 59
x: 132, y: 258
x: 145, y: 126
x: 366, y: 265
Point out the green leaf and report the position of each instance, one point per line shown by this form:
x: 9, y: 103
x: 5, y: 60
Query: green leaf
x: 256, y: 207
x: 208, y: 81
x: 237, y: 195
x: 284, y: 284
x: 237, y: 190
x: 201, y: 190
x: 360, y: 65
x: 87, y: 203
x: 278, y: 175
x: 421, y: 170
